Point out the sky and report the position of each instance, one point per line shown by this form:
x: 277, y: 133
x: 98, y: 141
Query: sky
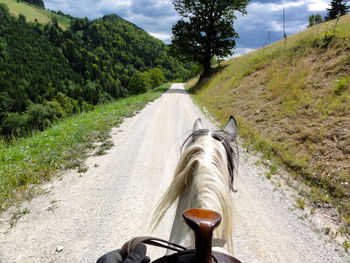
x: 158, y: 16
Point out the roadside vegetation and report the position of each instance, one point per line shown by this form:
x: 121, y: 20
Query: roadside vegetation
x: 26, y: 162
x: 292, y: 101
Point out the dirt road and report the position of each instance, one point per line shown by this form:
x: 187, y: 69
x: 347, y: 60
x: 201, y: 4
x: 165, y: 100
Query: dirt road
x: 86, y: 215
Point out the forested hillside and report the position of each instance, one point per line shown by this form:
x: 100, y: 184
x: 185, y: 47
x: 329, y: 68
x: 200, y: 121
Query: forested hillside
x: 47, y: 73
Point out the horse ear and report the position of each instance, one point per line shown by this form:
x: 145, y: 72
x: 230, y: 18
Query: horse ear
x: 231, y: 128
x: 198, y: 125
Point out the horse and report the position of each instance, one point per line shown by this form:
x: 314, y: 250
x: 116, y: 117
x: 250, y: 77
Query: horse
x: 203, y: 179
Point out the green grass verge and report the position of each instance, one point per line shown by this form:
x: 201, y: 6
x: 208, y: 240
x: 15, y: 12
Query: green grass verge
x: 31, y: 13
x: 29, y: 161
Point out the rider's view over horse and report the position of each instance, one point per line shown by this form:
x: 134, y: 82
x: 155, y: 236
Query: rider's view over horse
x: 171, y: 131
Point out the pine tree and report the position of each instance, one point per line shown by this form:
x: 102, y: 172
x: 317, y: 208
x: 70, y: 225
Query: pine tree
x: 337, y: 7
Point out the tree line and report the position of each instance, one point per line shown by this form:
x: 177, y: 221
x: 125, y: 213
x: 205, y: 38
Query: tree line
x: 47, y: 73
x: 38, y: 3
x: 337, y: 8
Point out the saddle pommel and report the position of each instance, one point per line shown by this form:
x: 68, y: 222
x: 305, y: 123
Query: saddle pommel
x: 202, y: 222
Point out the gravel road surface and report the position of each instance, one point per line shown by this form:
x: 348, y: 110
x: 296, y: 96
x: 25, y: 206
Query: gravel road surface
x: 83, y: 216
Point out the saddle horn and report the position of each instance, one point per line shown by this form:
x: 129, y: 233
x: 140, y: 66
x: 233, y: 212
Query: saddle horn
x: 202, y: 222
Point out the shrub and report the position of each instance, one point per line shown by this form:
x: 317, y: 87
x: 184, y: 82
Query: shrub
x: 196, y: 69
x: 69, y: 105
x: 178, y: 80
x: 15, y: 124
x: 155, y: 78
x: 104, y: 97
x: 55, y: 110
x: 38, y: 116
x: 137, y: 83
x: 328, y: 37
x: 325, y: 38
x: 342, y: 85
x: 85, y: 107
x: 41, y: 116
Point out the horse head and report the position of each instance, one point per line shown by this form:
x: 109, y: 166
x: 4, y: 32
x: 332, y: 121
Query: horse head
x: 203, y: 179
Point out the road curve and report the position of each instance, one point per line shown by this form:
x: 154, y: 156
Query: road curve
x: 92, y: 213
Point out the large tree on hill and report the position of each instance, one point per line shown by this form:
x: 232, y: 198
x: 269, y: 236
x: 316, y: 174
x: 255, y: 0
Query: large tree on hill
x: 206, y: 29
x: 337, y: 7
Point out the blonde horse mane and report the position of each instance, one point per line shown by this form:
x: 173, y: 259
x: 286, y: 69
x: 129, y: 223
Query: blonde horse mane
x: 203, y: 179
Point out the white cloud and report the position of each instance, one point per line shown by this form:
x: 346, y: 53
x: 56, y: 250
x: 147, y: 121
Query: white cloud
x: 318, y: 5
x: 58, y: 5
x: 286, y: 5
x: 311, y: 5
x: 165, y: 37
x: 259, y: 6
x: 240, y: 52
x: 275, y: 26
x: 294, y: 27
x: 113, y: 5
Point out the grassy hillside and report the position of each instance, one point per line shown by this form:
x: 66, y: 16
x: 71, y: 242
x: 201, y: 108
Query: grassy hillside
x: 29, y: 161
x: 31, y: 13
x: 293, y: 105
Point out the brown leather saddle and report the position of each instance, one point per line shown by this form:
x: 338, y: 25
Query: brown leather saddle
x: 202, y: 222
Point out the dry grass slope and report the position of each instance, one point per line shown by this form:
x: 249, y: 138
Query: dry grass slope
x: 293, y: 105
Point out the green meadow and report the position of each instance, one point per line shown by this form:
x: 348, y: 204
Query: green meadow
x: 33, y: 13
